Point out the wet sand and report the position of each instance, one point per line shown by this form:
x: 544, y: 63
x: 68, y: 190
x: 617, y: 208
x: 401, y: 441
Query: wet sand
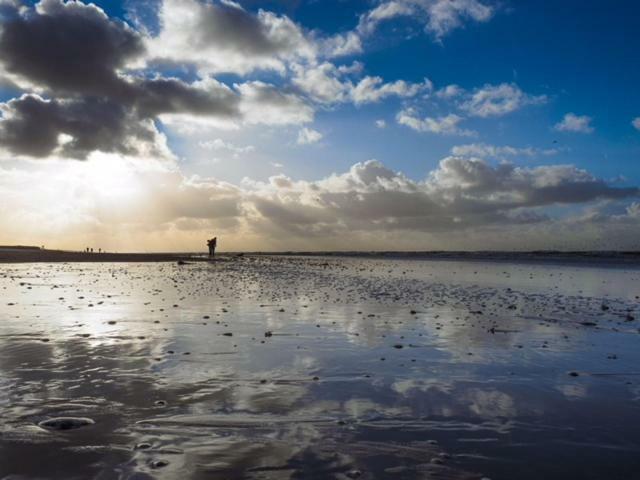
x: 270, y: 367
x: 26, y: 255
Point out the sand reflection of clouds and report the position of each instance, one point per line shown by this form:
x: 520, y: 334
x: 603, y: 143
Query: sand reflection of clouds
x: 490, y: 403
x: 362, y: 407
x: 410, y: 385
x: 573, y: 392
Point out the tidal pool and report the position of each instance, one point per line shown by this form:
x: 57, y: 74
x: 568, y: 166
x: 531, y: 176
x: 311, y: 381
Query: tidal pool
x: 312, y: 367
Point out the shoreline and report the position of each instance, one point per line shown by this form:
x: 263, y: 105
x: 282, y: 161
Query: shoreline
x: 62, y: 256
x: 578, y: 258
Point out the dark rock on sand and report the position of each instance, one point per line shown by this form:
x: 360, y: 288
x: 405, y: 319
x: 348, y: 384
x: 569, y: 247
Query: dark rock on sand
x: 159, y: 463
x: 65, y: 423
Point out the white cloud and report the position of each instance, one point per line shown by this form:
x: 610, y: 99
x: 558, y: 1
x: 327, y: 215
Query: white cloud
x: 574, y: 123
x: 328, y: 83
x: 483, y: 150
x: 323, y: 82
x: 446, y: 125
x: 381, y: 123
x: 636, y: 123
x: 223, y: 37
x: 439, y: 16
x: 373, y: 89
x: 307, y: 136
x: 449, y: 92
x: 256, y: 102
x: 459, y: 195
x: 447, y: 15
x: 120, y: 202
x: 263, y: 103
x: 340, y: 45
x: 384, y: 11
x: 498, y: 100
x: 114, y: 202
x: 219, y: 144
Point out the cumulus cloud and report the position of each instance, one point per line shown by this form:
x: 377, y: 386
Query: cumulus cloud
x: 328, y: 83
x: 30, y: 125
x: 340, y: 45
x: 263, y: 103
x: 323, y: 83
x: 450, y: 91
x: 446, y: 125
x: 170, y: 95
x: 69, y: 47
x: 33, y: 126
x: 221, y: 36
x: 439, y: 16
x: 369, y: 205
x: 89, y: 102
x: 91, y: 98
x: 574, y: 123
x: 102, y: 70
x: 373, y: 89
x: 459, y: 194
x: 498, y: 100
x: 307, y: 136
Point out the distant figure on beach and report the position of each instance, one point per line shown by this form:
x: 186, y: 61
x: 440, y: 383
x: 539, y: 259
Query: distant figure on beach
x: 212, y: 246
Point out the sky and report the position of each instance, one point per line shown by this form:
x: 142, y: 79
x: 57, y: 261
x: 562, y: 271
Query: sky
x: 152, y: 125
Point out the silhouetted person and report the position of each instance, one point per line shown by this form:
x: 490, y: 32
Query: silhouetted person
x: 212, y: 246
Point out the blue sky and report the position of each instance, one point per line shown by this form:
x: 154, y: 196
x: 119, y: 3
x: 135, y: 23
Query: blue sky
x: 582, y: 55
x: 494, y: 116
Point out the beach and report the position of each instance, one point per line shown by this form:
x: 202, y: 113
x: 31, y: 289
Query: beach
x: 41, y: 255
x: 298, y: 366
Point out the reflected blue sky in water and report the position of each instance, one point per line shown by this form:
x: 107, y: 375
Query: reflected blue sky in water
x: 343, y: 366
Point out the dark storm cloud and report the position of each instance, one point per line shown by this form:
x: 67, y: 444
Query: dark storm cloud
x: 74, y: 128
x: 32, y: 126
x: 75, y: 54
x: 155, y: 97
x: 73, y: 48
